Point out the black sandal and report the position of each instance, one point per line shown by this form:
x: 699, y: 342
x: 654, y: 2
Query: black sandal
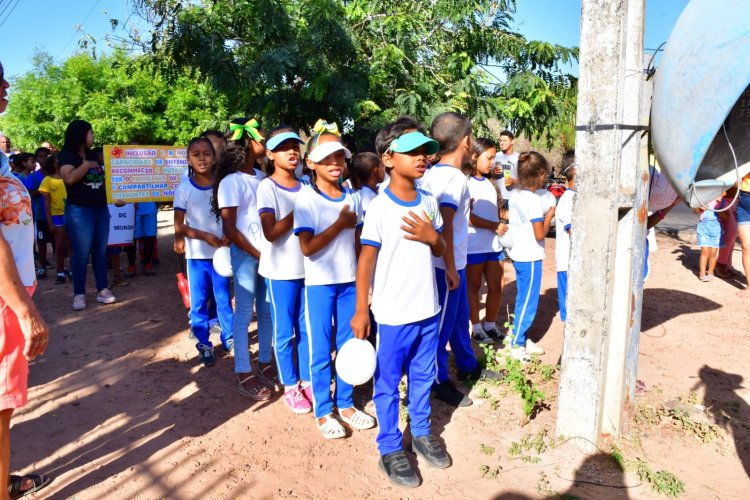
x: 15, y: 484
x: 257, y: 391
x: 268, y: 375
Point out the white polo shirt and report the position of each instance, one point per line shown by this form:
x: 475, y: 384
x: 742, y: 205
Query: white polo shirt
x: 448, y: 185
x: 563, y: 219
x: 195, y: 201
x: 483, y: 197
x: 525, y: 209
x: 241, y: 190
x: 281, y: 259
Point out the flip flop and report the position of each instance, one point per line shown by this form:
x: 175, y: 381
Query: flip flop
x: 15, y: 484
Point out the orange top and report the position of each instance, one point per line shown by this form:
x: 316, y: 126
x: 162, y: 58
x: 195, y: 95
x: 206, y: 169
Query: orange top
x: 745, y: 183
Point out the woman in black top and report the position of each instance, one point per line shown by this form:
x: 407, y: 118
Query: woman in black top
x: 86, y: 212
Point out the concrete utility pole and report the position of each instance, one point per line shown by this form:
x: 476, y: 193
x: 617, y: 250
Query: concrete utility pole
x: 609, y: 224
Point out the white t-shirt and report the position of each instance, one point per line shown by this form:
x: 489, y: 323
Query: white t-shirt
x: 17, y: 222
x: 281, y: 259
x: 240, y: 190
x: 563, y: 218
x: 403, y: 287
x: 548, y: 199
x: 367, y: 194
x: 315, y: 212
x: 484, y: 197
x: 448, y: 185
x: 508, y: 162
x: 525, y: 208
x: 195, y: 201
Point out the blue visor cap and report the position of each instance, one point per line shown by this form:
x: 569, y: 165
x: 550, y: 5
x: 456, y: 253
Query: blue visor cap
x: 413, y: 140
x: 276, y: 140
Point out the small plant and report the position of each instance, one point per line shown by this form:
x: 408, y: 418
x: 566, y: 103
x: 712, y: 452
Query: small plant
x: 486, y: 450
x: 662, y: 481
x: 528, y: 444
x: 490, y: 472
x: 543, y: 487
x: 547, y: 372
x: 484, y: 393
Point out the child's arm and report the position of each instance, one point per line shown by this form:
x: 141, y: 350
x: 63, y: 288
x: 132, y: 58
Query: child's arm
x: 274, y: 229
x: 365, y: 268
x: 447, y: 213
x: 48, y: 210
x: 541, y: 228
x: 314, y: 243
x: 182, y: 229
x: 481, y: 223
x: 229, y: 222
x: 420, y: 229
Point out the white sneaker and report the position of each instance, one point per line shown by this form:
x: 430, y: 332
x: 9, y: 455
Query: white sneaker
x: 520, y: 354
x: 79, y: 302
x: 532, y: 348
x: 105, y: 296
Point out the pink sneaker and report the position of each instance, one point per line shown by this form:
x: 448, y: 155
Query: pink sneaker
x: 307, y: 392
x: 297, y: 401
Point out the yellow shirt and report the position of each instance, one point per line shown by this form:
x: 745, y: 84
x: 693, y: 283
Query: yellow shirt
x: 745, y: 183
x: 57, y: 194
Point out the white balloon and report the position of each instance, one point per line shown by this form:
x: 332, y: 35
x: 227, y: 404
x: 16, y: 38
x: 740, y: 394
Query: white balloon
x: 355, y: 361
x: 223, y: 262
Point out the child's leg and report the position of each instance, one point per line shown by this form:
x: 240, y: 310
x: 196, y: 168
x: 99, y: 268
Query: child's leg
x: 116, y: 272
x: 245, y: 270
x: 474, y: 277
x: 528, y: 284
x: 493, y: 275
x: 265, y: 326
x: 346, y: 303
x: 394, y: 344
x: 460, y: 339
x: 148, y: 250
x: 302, y: 337
x: 282, y: 294
x: 562, y: 293
x: 199, y: 282
x: 420, y: 364
x: 222, y: 293
x: 61, y: 245
x: 703, y: 261
x: 448, y: 309
x: 713, y: 255
x: 320, y: 303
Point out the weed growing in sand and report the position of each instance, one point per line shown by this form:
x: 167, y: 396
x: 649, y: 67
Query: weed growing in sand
x: 679, y: 419
x: 490, y: 472
x: 543, y: 487
x: 529, y: 448
x: 486, y: 449
x: 661, y: 481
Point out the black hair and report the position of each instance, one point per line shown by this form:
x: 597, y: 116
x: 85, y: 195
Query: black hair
x: 193, y: 142
x: 213, y: 133
x: 42, y: 150
x: 362, y: 167
x: 394, y: 130
x: 531, y: 166
x: 449, y: 129
x: 19, y: 159
x: 270, y: 167
x: 75, y: 135
x: 507, y: 133
x: 50, y: 165
x: 570, y: 172
x: 233, y: 160
x: 479, y: 146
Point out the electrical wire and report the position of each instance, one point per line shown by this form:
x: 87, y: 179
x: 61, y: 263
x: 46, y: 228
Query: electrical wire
x: 9, y: 13
x: 81, y: 24
x: 737, y: 171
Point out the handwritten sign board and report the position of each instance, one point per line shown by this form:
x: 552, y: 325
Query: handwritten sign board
x: 121, y: 225
x: 143, y: 173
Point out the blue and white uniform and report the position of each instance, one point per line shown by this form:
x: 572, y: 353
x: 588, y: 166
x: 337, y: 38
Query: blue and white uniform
x: 195, y: 201
x: 281, y: 263
x: 240, y: 190
x: 367, y: 194
x: 563, y: 219
x: 406, y: 307
x: 330, y: 292
x: 525, y: 208
x: 484, y: 244
x: 448, y: 185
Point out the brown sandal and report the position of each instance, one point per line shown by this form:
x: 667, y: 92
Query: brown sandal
x: 268, y: 374
x: 255, y: 390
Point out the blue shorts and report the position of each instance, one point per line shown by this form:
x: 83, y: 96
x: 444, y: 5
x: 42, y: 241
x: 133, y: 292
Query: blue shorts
x: 481, y: 258
x: 58, y: 220
x: 145, y: 226
x: 743, y: 208
x: 709, y: 234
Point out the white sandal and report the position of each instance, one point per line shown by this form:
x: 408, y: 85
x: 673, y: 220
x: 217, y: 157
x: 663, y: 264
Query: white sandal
x: 360, y: 420
x: 331, y: 428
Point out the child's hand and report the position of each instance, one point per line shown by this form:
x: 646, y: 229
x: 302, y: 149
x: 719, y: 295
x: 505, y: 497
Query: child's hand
x: 225, y: 242
x: 360, y: 324
x: 453, y: 278
x: 419, y: 228
x: 502, y: 229
x: 214, y: 241
x: 179, y: 245
x: 347, y: 217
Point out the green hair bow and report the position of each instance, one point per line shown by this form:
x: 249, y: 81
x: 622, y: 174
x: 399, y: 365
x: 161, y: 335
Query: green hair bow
x: 251, y: 127
x: 322, y: 126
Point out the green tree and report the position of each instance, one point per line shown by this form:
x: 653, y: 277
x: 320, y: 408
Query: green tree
x: 363, y: 62
x: 125, y: 99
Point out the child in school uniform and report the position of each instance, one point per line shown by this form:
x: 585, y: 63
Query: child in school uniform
x: 447, y: 183
x: 202, y: 235
x: 368, y: 172
x: 563, y: 220
x: 529, y: 227
x: 400, y: 235
x: 327, y: 221
x: 282, y: 265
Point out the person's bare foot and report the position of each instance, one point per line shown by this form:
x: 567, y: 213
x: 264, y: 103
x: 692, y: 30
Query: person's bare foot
x: 744, y: 293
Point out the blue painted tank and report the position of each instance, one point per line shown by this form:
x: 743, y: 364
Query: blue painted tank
x: 701, y: 103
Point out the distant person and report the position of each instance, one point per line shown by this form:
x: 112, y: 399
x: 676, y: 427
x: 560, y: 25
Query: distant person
x: 23, y: 332
x: 43, y: 230
x: 48, y: 145
x: 22, y: 164
x: 86, y: 212
x: 743, y: 231
x: 5, y: 145
x: 54, y: 195
x: 709, y: 238
x: 367, y: 172
x: 506, y: 164
x: 724, y: 268
x: 563, y: 224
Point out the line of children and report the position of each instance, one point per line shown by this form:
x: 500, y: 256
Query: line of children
x: 563, y: 221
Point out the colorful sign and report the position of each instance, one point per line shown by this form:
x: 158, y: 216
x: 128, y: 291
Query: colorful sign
x: 143, y: 173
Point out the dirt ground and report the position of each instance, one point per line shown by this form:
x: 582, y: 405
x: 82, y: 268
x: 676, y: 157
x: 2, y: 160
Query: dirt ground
x: 120, y: 408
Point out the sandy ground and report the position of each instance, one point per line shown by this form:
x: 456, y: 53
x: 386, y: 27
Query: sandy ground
x: 119, y: 407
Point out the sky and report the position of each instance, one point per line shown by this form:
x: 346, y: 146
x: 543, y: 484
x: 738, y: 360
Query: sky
x: 51, y: 25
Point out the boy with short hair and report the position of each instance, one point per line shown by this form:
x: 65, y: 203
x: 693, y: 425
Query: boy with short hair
x: 563, y: 219
x: 506, y: 164
x: 447, y: 183
x: 401, y: 233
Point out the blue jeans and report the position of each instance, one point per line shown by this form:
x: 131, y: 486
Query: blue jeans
x: 88, y: 230
x: 249, y: 288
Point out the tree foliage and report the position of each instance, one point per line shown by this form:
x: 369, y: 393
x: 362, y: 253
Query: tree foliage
x: 125, y: 99
x: 363, y: 62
